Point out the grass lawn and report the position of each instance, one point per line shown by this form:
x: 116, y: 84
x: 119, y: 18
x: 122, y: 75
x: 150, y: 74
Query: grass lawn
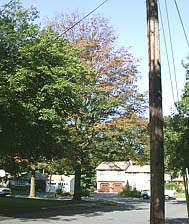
x: 11, y: 205
x: 180, y: 195
x: 16, y: 205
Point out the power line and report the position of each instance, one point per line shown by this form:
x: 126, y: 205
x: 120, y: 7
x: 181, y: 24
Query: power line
x: 6, y: 6
x: 105, y: 1
x: 181, y: 22
x: 83, y: 18
x: 88, y: 14
x: 170, y: 38
x: 167, y: 53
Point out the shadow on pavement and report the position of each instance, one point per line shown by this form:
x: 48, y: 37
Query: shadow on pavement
x: 93, y: 208
x: 177, y: 221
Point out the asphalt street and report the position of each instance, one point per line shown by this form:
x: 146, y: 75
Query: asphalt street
x: 131, y: 211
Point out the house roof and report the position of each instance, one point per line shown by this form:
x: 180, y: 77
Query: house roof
x: 38, y: 176
x: 128, y: 168
x: 113, y: 165
x: 138, y: 169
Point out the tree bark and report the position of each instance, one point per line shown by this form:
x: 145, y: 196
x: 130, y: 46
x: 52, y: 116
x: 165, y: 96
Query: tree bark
x: 185, y: 178
x: 32, y: 185
x: 77, y: 185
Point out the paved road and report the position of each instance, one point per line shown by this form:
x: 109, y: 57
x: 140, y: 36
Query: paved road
x: 126, y: 211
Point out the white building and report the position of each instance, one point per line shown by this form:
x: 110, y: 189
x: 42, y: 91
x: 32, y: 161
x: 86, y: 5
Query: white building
x: 113, y: 176
x: 138, y: 177
x: 54, y: 182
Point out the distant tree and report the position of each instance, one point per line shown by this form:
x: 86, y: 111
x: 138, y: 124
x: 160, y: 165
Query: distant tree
x: 112, y: 104
x: 177, y: 132
x: 176, y: 138
x: 125, y: 139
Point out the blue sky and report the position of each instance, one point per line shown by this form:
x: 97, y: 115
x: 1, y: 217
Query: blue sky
x: 128, y: 19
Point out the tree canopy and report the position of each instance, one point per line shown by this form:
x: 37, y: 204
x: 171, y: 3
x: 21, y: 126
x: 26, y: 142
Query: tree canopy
x: 71, y: 97
x: 40, y: 89
x: 177, y: 132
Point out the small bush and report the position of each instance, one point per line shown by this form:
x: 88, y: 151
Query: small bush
x: 127, y: 191
x: 171, y: 186
x: 59, y: 191
x: 85, y: 192
x: 179, y: 187
x: 66, y: 194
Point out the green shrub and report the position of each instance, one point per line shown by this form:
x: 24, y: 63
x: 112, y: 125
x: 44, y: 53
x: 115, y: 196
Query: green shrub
x: 59, y: 191
x: 179, y: 187
x: 127, y: 187
x: 85, y: 192
x: 127, y: 191
x: 66, y: 194
x: 171, y: 186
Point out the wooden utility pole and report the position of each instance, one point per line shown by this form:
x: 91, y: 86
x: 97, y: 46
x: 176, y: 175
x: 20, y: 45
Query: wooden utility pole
x: 157, y: 207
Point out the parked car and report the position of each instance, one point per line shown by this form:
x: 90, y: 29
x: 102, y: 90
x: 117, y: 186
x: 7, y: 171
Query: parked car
x: 4, y: 191
x: 145, y: 194
x: 169, y: 194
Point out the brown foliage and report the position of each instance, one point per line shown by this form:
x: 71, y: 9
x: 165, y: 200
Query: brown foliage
x: 97, y: 39
x: 115, y: 90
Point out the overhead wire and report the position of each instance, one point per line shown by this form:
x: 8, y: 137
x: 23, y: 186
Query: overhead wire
x: 6, y: 6
x: 166, y: 50
x: 172, y: 53
x: 88, y: 14
x: 178, y: 11
x: 75, y: 24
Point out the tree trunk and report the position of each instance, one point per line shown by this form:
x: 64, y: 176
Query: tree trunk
x: 185, y: 178
x: 77, y: 185
x: 50, y: 177
x: 32, y: 185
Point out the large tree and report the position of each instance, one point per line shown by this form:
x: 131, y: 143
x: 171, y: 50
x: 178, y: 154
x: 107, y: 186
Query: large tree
x: 43, y: 83
x: 55, y: 105
x: 112, y: 105
x: 15, y: 28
